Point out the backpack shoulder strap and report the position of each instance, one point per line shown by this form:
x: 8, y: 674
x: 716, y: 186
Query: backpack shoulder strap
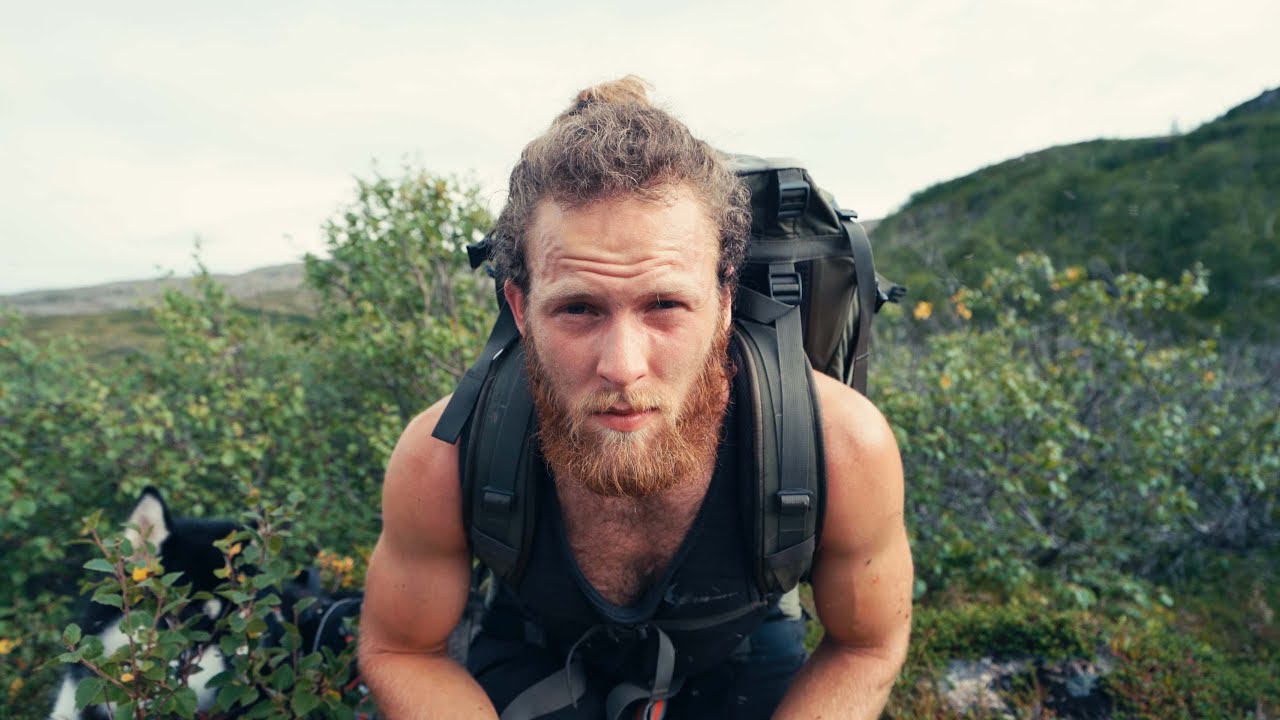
x: 491, y: 412
x: 782, y: 440
x: 868, y: 299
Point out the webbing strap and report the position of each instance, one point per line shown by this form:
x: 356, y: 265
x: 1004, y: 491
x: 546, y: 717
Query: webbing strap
x: 624, y: 694
x: 556, y: 691
x: 463, y: 402
x: 795, y: 434
x: 864, y: 266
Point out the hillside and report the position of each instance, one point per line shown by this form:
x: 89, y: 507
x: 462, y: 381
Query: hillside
x: 1152, y: 205
x: 113, y: 320
x: 277, y: 288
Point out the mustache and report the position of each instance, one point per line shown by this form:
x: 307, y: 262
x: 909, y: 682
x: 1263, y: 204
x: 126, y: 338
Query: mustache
x: 633, y: 400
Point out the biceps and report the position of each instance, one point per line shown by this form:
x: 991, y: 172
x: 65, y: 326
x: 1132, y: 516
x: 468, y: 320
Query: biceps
x: 863, y: 596
x: 411, y: 603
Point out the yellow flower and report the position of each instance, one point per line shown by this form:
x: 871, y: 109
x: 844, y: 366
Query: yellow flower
x: 963, y: 311
x: 1074, y: 273
x: 139, y: 574
x: 944, y: 382
x: 923, y: 310
x: 7, y: 646
x: 1209, y: 377
x: 126, y: 677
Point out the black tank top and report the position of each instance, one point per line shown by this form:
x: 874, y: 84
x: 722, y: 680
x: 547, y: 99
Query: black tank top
x: 706, y: 600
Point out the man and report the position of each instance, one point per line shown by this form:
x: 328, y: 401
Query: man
x: 620, y: 245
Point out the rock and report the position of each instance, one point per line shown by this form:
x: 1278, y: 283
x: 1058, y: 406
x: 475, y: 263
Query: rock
x: 1067, y: 689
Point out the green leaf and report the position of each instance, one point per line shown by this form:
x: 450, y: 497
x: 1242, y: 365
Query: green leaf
x: 106, y: 597
x: 185, y: 702
x: 283, y: 678
x: 100, y: 565
x: 304, y: 701
x: 87, y: 691
x: 71, y: 635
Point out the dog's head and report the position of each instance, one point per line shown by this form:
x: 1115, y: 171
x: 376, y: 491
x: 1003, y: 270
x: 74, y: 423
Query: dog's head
x: 184, y: 545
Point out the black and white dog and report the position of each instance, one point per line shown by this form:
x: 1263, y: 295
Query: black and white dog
x: 187, y: 546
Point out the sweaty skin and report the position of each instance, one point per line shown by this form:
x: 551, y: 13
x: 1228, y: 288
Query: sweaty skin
x: 624, y: 294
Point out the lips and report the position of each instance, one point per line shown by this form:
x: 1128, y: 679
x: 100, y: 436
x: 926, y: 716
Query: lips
x: 624, y: 418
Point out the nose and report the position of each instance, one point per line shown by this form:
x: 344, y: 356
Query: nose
x: 623, y: 355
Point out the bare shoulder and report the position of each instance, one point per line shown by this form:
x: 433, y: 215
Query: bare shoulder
x: 419, y: 572
x: 421, y: 495
x: 855, y: 431
x: 864, y: 465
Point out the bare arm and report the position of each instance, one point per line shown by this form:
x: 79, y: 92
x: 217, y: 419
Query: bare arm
x: 862, y: 574
x: 417, y: 585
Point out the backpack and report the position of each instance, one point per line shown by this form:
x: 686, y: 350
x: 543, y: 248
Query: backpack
x: 807, y: 293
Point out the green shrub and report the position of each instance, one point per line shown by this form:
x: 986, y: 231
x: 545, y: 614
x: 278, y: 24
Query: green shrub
x: 1047, y: 425
x: 231, y: 403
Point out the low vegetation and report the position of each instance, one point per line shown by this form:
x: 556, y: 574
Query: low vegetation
x: 1083, y: 483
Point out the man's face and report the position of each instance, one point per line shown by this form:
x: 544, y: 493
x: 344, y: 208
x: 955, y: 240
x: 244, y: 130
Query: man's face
x: 625, y: 327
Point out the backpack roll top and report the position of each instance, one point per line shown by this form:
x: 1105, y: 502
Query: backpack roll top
x: 806, y: 251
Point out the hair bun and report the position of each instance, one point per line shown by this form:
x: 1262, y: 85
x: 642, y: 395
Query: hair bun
x: 630, y: 90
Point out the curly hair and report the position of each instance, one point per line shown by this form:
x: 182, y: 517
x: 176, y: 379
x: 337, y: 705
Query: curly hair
x: 610, y: 143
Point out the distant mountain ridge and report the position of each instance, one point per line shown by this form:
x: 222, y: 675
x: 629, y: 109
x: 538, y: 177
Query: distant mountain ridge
x: 254, y: 287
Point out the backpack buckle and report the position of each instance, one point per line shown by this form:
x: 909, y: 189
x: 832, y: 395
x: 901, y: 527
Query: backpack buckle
x: 785, y: 285
x: 497, y: 500
x: 794, y: 502
x: 793, y: 198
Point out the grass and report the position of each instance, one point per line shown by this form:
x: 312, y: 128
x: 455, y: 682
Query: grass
x: 1214, y: 654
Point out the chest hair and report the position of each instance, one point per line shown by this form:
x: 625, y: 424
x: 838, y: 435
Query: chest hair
x: 623, y: 545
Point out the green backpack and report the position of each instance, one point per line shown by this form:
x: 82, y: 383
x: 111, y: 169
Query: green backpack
x: 806, y: 297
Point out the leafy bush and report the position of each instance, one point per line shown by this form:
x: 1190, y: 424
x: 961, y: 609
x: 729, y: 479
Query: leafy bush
x: 1050, y: 427
x: 232, y: 404
x: 1058, y: 443
x: 269, y: 673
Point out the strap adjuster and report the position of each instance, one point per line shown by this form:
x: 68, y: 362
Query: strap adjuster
x: 793, y: 198
x: 794, y: 502
x: 785, y: 286
x: 497, y: 500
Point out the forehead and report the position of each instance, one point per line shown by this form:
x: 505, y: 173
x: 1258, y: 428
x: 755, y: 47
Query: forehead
x: 622, y: 239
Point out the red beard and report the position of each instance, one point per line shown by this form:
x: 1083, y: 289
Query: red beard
x: 677, y: 447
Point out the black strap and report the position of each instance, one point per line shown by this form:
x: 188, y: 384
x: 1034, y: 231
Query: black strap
x: 463, y: 402
x: 787, y: 476
x: 500, y: 462
x: 864, y: 266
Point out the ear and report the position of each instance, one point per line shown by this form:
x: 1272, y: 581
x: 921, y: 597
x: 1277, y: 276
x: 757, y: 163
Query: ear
x: 516, y: 300
x: 149, y: 521
x: 726, y: 306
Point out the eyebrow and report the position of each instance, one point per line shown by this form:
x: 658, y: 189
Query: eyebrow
x: 577, y: 293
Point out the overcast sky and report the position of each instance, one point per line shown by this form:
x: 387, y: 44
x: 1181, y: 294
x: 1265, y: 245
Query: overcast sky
x: 129, y: 129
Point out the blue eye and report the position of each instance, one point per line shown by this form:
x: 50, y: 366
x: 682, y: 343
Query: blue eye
x: 666, y: 305
x: 575, y: 309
